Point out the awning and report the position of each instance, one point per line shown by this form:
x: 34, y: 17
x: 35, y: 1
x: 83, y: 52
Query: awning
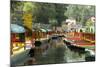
x: 43, y: 30
x: 17, y: 28
x: 48, y: 30
x: 33, y: 30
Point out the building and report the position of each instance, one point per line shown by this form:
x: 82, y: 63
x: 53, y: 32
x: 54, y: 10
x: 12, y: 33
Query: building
x: 17, y: 38
x: 69, y: 25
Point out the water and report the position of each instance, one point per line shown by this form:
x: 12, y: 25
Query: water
x: 57, y: 52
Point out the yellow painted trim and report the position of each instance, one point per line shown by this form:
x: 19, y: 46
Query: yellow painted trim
x: 89, y: 40
x: 18, y: 48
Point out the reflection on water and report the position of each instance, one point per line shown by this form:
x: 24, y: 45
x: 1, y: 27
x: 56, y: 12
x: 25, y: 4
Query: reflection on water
x: 59, y: 52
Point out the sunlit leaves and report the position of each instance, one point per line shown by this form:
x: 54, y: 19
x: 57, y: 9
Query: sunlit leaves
x: 27, y: 19
x: 27, y: 6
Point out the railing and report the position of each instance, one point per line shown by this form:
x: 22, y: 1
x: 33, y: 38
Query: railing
x: 89, y: 37
x: 83, y: 36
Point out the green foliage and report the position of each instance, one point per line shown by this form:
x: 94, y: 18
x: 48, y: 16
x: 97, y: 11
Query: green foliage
x: 89, y: 23
x: 80, y: 12
x: 16, y: 12
x: 16, y: 6
x: 28, y: 6
x: 48, y: 12
x: 90, y: 26
x: 45, y: 12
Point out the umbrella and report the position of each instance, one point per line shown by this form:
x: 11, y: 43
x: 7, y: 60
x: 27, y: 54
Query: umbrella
x: 17, y: 28
x: 48, y: 30
x: 43, y: 30
x: 33, y: 30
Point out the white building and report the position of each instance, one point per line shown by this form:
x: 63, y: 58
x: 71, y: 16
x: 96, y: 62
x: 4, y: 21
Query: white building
x: 69, y: 25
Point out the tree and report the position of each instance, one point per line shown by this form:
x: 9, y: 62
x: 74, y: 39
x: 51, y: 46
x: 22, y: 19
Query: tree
x: 16, y: 12
x: 80, y: 12
x: 60, y: 10
x: 43, y: 12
